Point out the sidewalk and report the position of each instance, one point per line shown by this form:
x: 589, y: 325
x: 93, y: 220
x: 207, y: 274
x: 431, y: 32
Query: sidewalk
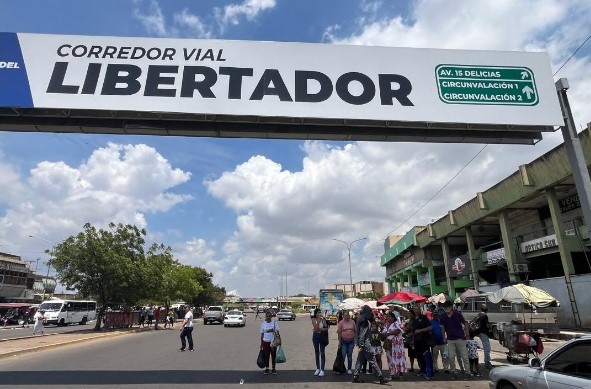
x: 571, y: 334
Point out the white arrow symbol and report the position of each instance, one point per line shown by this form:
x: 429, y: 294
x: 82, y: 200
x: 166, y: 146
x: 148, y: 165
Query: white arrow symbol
x: 524, y: 75
x: 528, y: 91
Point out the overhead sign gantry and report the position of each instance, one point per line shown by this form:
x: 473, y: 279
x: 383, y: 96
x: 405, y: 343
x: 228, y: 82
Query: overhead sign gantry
x: 216, y: 88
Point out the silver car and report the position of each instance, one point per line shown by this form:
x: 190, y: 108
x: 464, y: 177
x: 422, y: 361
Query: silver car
x: 286, y: 314
x: 569, y: 366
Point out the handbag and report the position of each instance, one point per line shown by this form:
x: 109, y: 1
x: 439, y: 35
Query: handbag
x: 276, y: 342
x: 339, y: 363
x: 280, y: 355
x: 261, y: 359
x: 324, y: 338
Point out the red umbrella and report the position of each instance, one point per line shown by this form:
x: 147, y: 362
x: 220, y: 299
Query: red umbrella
x: 402, y: 298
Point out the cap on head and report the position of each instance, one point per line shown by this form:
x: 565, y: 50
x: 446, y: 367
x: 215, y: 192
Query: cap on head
x: 447, y: 303
x: 484, y: 308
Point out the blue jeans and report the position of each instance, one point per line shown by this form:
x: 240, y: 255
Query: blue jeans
x: 485, y: 347
x: 347, y: 347
x: 318, y: 351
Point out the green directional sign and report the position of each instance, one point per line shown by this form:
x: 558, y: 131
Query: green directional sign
x: 493, y: 85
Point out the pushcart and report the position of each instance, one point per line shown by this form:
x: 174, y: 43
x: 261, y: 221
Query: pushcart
x: 521, y: 344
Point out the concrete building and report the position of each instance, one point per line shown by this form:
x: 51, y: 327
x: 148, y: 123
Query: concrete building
x: 360, y: 288
x: 18, y: 283
x: 527, y: 228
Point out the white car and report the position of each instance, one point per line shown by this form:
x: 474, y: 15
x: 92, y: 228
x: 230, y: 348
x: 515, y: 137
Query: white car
x: 234, y: 318
x: 569, y: 366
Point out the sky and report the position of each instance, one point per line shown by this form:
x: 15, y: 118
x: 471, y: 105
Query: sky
x: 262, y: 215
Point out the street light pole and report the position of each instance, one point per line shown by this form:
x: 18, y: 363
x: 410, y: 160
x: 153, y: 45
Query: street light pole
x: 49, y: 261
x: 350, y: 271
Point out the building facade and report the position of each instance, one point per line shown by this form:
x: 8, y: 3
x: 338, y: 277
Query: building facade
x: 527, y: 228
x: 361, y: 288
x: 18, y: 283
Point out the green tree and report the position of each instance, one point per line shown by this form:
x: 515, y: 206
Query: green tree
x: 109, y: 265
x: 211, y: 294
x: 177, y: 284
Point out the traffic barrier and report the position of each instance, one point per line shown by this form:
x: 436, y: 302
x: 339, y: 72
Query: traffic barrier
x: 118, y: 320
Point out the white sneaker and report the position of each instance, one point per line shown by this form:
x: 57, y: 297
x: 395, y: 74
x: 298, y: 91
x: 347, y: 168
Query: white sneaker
x: 317, y: 372
x: 321, y: 374
x: 349, y: 371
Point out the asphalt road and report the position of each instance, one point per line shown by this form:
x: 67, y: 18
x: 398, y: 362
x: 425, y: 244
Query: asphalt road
x: 11, y: 332
x: 223, y: 357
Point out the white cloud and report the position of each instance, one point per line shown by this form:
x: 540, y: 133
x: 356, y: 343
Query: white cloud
x: 249, y: 9
x: 119, y: 183
x: 152, y: 17
x: 193, y: 24
x: 185, y: 23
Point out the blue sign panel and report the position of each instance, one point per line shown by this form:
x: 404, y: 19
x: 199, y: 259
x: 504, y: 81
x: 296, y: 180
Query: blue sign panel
x: 13, y: 74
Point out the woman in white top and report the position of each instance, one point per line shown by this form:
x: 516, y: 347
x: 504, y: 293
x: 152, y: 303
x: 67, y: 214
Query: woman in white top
x: 319, y: 332
x: 268, y: 327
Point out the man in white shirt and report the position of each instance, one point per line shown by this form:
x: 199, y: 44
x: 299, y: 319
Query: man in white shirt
x: 187, y: 330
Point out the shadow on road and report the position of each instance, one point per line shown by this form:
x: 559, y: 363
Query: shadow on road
x: 111, y: 377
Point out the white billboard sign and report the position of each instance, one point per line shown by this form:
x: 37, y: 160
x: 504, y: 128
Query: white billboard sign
x: 294, y: 80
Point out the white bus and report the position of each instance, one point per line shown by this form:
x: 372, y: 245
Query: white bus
x: 64, y: 312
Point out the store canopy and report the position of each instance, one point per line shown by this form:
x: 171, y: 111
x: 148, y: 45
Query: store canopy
x: 402, y: 298
x: 523, y: 294
x: 375, y: 305
x: 469, y: 293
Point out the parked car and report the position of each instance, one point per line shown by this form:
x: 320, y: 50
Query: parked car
x: 234, y: 318
x: 286, y: 314
x: 214, y: 313
x: 569, y: 366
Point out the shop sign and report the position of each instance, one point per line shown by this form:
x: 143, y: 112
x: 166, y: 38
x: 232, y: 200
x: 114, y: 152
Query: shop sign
x: 539, y: 244
x: 495, y: 257
x: 459, y: 265
x: 569, y: 203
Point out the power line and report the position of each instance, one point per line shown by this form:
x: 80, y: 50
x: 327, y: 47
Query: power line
x: 573, y: 54
x: 432, y: 197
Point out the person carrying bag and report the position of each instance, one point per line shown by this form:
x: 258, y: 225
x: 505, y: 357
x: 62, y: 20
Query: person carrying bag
x: 270, y: 334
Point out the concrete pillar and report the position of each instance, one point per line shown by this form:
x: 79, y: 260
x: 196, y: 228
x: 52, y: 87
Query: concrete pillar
x: 431, y: 270
x: 473, y: 259
x: 509, y: 243
x: 446, y: 257
x: 565, y: 254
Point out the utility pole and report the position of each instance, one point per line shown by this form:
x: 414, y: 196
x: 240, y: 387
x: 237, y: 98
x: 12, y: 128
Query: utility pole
x: 350, y: 271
